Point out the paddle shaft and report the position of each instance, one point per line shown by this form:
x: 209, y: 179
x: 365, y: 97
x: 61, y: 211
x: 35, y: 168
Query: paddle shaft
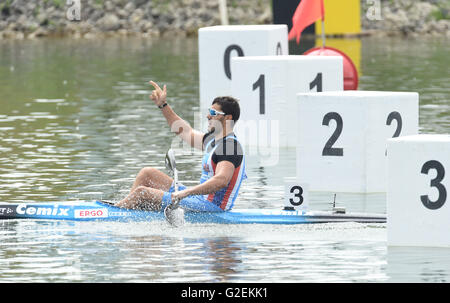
x: 175, y: 178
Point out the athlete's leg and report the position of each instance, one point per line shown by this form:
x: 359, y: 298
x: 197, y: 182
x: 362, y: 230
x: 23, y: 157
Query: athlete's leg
x: 153, y: 178
x: 142, y: 197
x: 147, y: 190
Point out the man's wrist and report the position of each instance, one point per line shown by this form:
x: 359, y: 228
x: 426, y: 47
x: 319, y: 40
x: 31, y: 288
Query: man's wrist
x: 162, y: 105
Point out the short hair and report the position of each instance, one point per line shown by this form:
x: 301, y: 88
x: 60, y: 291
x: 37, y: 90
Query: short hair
x: 229, y: 106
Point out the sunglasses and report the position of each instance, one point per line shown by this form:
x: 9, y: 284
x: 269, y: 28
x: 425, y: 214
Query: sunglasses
x: 214, y: 112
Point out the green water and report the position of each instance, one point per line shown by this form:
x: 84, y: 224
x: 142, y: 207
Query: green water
x: 76, y: 123
x: 75, y: 112
x: 412, y: 65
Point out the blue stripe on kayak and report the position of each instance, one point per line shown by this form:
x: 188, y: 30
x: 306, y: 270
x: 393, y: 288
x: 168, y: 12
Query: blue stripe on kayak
x: 89, y: 211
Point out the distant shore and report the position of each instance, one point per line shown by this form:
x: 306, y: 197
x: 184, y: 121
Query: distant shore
x: 406, y: 17
x: 22, y: 19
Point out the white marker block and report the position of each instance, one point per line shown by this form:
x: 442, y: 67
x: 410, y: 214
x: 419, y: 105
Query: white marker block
x: 343, y: 137
x: 267, y: 88
x: 418, y: 196
x: 218, y: 44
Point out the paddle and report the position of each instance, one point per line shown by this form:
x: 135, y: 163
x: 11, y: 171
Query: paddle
x: 173, y: 213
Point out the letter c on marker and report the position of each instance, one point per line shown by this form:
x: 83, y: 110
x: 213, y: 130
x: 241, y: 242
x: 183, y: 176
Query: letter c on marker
x: 226, y: 58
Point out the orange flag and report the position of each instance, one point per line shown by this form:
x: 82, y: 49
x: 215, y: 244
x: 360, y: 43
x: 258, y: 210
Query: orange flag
x: 307, y: 12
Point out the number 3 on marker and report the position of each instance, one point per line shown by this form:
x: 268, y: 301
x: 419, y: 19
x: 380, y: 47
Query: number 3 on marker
x: 298, y: 195
x: 436, y: 182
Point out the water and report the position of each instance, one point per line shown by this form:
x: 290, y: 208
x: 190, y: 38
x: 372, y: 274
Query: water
x: 76, y: 123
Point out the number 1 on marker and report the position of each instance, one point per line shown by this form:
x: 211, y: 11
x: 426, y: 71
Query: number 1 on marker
x: 262, y: 93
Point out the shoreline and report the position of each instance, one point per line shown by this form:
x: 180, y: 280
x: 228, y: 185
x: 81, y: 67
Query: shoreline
x: 19, y: 36
x: 20, y: 19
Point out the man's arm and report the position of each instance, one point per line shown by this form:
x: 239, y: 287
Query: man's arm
x: 224, y: 173
x: 176, y: 124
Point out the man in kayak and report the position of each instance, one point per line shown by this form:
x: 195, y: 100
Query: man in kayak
x: 223, y: 162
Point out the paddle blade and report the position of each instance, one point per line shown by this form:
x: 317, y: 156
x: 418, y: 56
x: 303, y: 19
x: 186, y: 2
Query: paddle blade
x: 170, y: 160
x: 174, y: 216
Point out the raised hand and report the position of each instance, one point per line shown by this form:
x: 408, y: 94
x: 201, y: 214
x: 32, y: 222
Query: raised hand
x: 158, y: 95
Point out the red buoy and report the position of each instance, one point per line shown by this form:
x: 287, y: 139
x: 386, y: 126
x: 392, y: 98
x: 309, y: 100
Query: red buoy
x: 350, y: 72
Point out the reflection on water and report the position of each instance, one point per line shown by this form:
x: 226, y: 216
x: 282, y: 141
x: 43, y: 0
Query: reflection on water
x: 150, y: 252
x: 411, y: 65
x: 419, y: 264
x: 76, y: 123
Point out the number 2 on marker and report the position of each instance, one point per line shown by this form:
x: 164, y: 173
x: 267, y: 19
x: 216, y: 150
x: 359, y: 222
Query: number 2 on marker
x: 329, y: 150
x: 397, y: 117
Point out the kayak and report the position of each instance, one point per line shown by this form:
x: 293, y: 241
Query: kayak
x: 106, y: 211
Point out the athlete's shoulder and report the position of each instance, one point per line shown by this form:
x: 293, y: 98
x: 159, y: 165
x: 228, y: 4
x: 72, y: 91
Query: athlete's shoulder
x: 207, y: 138
x: 228, y: 149
x: 232, y: 141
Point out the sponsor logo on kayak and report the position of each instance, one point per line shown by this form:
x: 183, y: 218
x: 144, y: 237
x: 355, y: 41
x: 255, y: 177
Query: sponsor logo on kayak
x: 119, y: 214
x: 23, y: 209
x: 91, y: 213
x: 4, y: 211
